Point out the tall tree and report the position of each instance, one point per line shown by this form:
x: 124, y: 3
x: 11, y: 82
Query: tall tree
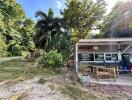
x: 118, y: 22
x: 82, y: 16
x: 49, y: 31
x: 12, y: 22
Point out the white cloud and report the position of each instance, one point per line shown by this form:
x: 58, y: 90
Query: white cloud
x: 59, y: 4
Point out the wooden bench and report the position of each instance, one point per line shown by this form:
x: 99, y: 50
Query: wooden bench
x: 103, y: 71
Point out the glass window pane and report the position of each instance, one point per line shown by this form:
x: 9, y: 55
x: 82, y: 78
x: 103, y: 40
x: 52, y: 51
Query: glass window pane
x: 87, y: 57
x: 130, y: 58
x: 108, y: 57
x: 114, y: 56
x: 99, y: 57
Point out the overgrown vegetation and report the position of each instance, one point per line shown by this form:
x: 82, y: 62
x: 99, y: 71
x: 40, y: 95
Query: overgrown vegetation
x: 50, y: 60
x: 16, y: 68
x: 76, y: 93
x: 60, y: 34
x: 15, y: 29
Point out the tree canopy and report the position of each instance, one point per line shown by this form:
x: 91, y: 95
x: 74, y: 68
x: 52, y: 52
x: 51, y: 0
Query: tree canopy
x: 83, y: 16
x: 49, y: 31
x: 118, y: 22
x: 13, y: 29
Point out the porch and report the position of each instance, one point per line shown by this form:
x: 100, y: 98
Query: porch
x: 123, y: 80
x: 114, y: 52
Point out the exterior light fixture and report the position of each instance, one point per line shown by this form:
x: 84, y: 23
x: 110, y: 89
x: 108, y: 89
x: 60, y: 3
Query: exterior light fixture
x: 95, y: 48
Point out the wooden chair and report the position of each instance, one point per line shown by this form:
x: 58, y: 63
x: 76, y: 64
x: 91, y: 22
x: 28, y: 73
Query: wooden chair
x: 109, y: 72
x: 85, y: 69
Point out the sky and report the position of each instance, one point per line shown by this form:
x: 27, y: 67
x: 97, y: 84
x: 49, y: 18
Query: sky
x: 31, y: 6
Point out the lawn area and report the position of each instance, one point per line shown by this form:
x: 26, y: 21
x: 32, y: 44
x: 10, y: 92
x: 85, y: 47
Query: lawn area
x: 14, y: 69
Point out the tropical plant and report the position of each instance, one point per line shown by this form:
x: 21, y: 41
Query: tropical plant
x: 51, y: 34
x: 51, y: 59
x: 49, y: 31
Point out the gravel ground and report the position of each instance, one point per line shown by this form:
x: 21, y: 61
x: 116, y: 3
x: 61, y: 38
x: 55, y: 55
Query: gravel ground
x: 32, y: 89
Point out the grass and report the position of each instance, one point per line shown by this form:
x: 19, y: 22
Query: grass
x: 77, y: 94
x: 52, y: 87
x: 18, y: 96
x: 42, y: 81
x: 17, y: 68
x: 10, y: 70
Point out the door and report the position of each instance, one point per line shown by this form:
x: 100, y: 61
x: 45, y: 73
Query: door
x: 125, y: 61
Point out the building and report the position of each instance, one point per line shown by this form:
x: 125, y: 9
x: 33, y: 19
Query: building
x: 105, y: 51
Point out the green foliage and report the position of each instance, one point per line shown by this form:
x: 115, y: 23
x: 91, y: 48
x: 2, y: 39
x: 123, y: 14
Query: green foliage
x: 16, y: 29
x: 16, y: 50
x: 26, y: 32
x: 51, y: 59
x: 3, y: 47
x: 49, y: 31
x: 119, y: 21
x: 51, y: 34
x: 81, y: 16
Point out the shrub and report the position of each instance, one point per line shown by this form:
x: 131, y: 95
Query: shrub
x: 51, y: 59
x: 3, y: 47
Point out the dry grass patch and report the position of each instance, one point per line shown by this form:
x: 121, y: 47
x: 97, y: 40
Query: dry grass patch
x: 18, y: 96
x: 77, y: 94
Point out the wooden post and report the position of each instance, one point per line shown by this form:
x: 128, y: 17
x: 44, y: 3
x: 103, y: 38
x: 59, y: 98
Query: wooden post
x: 76, y: 57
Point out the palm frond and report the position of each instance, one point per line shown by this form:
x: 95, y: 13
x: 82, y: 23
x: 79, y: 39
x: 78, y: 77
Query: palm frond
x: 41, y: 14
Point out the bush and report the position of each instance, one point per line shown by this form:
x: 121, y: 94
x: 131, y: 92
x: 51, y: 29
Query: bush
x: 3, y: 47
x: 51, y: 59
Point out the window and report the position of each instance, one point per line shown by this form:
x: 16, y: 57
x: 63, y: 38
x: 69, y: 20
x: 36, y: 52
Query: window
x: 99, y: 57
x: 87, y: 57
x: 108, y: 57
x: 114, y: 56
x: 130, y: 58
x: 111, y: 57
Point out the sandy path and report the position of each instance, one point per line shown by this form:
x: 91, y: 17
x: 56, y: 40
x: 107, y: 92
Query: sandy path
x: 33, y: 90
x: 2, y: 59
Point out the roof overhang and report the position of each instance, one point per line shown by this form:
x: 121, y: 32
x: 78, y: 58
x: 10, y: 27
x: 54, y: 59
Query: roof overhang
x: 105, y: 41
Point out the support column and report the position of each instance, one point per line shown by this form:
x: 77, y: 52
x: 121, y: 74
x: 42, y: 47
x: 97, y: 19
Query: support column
x: 119, y: 52
x: 76, y: 57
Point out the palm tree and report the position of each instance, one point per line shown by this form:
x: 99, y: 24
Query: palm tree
x: 48, y: 30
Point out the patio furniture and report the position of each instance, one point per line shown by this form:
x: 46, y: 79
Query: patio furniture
x: 107, y: 72
x: 85, y: 69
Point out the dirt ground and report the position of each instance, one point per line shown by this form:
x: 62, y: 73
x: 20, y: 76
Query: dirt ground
x: 32, y: 91
x: 49, y: 90
x: 40, y: 87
